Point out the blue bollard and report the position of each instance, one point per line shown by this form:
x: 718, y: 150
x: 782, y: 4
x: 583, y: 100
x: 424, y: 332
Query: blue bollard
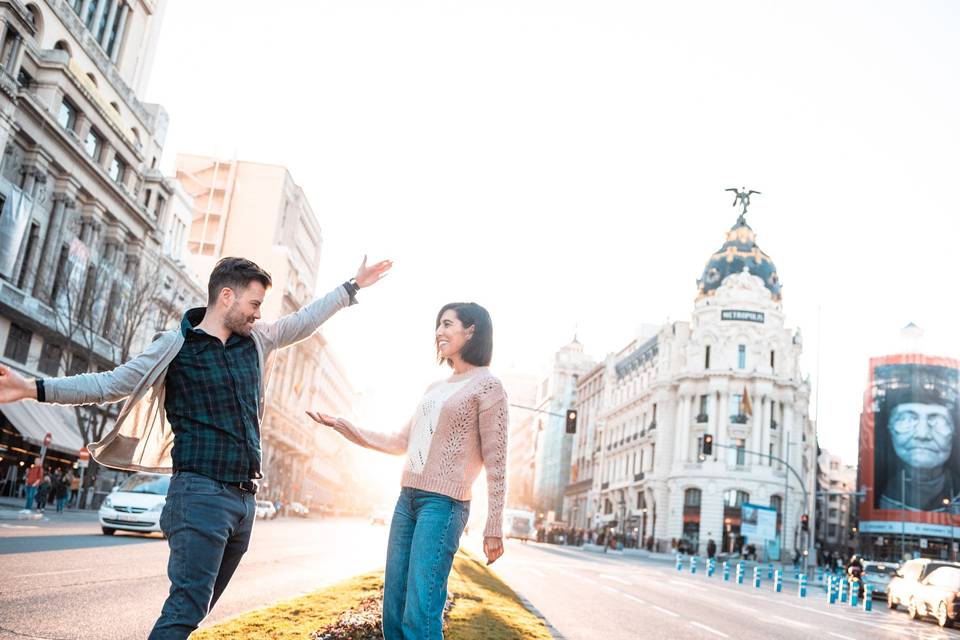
x: 679, y: 562
x: 854, y: 596
x: 819, y: 575
x: 843, y: 591
x: 803, y: 585
x: 868, y: 598
x: 834, y: 586
x: 711, y: 567
x: 829, y: 587
x: 693, y: 564
x: 770, y: 571
x: 726, y: 571
x: 739, y: 573
x: 756, y: 577
x: 778, y: 581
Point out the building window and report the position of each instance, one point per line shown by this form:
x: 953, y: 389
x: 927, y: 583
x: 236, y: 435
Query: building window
x: 773, y: 355
x: 67, y: 116
x: 32, y: 241
x: 78, y: 365
x: 706, y: 358
x: 76, y: 5
x: 60, y: 276
x: 691, y: 498
x: 742, y: 356
x: 91, y: 11
x: 735, y: 498
x: 736, y: 402
x: 741, y: 452
x: 93, y: 145
x: 702, y: 415
x: 777, y: 503
x: 770, y: 459
x: 118, y: 169
x: 50, y: 356
x: 18, y: 344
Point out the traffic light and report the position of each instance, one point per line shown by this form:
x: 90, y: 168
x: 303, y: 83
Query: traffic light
x: 805, y: 522
x: 572, y: 421
x: 706, y: 446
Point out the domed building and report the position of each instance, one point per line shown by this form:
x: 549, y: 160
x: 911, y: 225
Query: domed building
x: 731, y: 372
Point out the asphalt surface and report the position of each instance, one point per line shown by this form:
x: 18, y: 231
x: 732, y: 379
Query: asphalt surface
x: 612, y: 597
x: 61, y: 579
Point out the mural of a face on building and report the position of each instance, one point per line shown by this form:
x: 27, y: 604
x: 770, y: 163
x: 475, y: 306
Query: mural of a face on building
x: 922, y: 434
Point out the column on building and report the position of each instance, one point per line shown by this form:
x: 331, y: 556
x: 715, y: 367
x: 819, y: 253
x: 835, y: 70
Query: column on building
x: 765, y: 410
x: 111, y: 16
x: 124, y: 13
x: 64, y: 203
x: 756, y: 435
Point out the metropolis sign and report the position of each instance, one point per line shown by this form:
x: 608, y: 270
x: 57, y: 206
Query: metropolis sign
x: 739, y: 314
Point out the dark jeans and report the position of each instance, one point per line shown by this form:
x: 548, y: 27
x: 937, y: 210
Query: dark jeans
x: 208, y: 526
x: 424, y: 536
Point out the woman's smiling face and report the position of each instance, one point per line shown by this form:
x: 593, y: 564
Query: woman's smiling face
x: 451, y: 335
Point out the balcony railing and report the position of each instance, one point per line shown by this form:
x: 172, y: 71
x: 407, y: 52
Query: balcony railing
x: 702, y: 418
x: 738, y: 419
x: 637, y: 477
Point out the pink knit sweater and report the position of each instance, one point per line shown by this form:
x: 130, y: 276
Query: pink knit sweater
x: 459, y: 426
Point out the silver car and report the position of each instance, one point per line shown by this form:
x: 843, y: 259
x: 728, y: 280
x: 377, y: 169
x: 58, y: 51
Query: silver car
x: 878, y: 574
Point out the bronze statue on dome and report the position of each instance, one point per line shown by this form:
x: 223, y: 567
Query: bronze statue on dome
x: 743, y: 197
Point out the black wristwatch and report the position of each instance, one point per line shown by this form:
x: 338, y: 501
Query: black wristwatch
x: 353, y: 283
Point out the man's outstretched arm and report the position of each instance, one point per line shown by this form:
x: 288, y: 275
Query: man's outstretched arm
x: 301, y: 324
x: 85, y: 388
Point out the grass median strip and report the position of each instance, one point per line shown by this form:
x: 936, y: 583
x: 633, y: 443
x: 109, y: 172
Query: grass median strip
x: 483, y: 608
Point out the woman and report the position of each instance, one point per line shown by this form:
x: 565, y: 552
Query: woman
x: 43, y: 493
x: 459, y: 426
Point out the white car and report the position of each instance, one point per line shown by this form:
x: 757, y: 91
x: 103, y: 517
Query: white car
x: 135, y: 505
x: 266, y: 510
x: 878, y: 575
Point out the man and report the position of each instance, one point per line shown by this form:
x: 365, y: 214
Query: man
x: 195, y: 399
x: 34, y: 478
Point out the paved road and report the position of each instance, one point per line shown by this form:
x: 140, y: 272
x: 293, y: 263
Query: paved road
x: 590, y: 596
x: 61, y: 579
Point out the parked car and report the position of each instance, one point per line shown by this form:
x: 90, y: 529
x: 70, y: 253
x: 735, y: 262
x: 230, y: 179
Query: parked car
x: 297, y: 509
x: 878, y: 574
x: 927, y: 587
x: 266, y: 510
x: 135, y: 505
x: 380, y: 515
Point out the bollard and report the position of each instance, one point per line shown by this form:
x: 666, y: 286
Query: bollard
x: 843, y: 591
x: 778, y: 584
x: 830, y: 588
x: 693, y: 564
x: 756, y: 577
x: 739, y: 573
x: 711, y: 567
x: 803, y: 585
x: 854, y: 595
x: 833, y: 590
x: 868, y: 598
x: 770, y: 571
x: 679, y: 562
x: 726, y: 571
x: 819, y: 575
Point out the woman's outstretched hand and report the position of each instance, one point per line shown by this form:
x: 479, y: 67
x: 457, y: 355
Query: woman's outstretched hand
x: 339, y: 425
x: 368, y: 276
x: 492, y: 548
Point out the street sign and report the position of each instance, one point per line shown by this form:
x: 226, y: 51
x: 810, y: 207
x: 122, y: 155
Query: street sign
x: 84, y: 458
x: 923, y: 543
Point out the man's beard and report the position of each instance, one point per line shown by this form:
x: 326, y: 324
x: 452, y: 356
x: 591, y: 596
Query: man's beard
x: 237, y: 322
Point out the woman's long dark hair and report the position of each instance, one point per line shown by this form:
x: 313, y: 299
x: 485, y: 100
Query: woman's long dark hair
x: 479, y: 349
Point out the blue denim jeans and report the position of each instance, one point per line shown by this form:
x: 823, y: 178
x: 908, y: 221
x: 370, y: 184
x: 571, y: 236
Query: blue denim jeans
x: 208, y: 526
x: 424, y: 536
x: 31, y: 496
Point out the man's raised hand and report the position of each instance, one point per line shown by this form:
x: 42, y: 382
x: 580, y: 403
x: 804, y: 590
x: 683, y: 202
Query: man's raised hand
x: 367, y: 276
x: 15, y: 387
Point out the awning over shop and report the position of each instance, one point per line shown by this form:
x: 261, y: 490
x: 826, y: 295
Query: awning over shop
x: 34, y: 420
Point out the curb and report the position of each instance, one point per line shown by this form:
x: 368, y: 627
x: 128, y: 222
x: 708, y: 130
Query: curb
x: 23, y: 514
x: 554, y: 632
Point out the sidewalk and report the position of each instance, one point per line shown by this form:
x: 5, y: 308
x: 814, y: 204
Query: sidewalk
x: 12, y: 509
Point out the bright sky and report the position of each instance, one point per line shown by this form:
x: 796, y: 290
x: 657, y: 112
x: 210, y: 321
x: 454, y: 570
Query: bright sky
x: 563, y: 164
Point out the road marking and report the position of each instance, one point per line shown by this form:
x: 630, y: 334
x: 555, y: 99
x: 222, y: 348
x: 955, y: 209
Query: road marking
x: 687, y: 585
x: 710, y: 629
x: 635, y: 599
x: 789, y: 621
x: 885, y: 627
x: 616, y: 579
x: 840, y: 635
x: 666, y: 611
x: 50, y: 573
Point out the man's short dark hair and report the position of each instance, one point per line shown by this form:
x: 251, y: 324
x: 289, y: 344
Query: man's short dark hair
x: 236, y: 274
x: 479, y: 349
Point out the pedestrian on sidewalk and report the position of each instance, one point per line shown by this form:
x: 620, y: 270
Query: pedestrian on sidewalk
x: 194, y: 402
x: 34, y: 478
x: 43, y: 492
x: 73, y: 483
x: 711, y: 548
x: 459, y: 427
x: 60, y: 490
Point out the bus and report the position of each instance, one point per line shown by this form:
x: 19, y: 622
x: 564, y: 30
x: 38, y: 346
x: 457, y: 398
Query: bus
x: 519, y: 524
